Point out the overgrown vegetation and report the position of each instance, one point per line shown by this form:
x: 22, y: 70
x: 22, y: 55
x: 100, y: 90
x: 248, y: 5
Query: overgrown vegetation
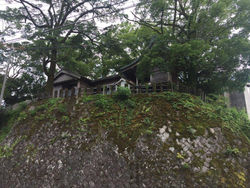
x: 175, y: 116
x: 122, y: 94
x: 45, y: 111
x: 6, y: 151
x: 9, y: 117
x: 128, y: 117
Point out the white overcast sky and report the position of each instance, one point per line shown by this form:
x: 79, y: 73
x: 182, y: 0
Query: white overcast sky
x: 4, y: 5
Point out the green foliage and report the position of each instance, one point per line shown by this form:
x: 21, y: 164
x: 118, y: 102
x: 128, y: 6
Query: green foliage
x: 215, y: 109
x: 4, y: 116
x: 191, y: 130
x: 10, y: 117
x: 25, y: 86
x: 84, y: 120
x: 122, y: 94
x: 232, y: 151
x: 87, y: 98
x: 180, y: 156
x: 201, y: 49
x: 103, y: 102
x: 150, y: 125
x: 53, y: 101
x: 40, y: 117
x: 7, y: 151
x: 185, y: 166
x: 65, y: 119
x: 57, y: 47
x: 22, y: 116
x: 236, y: 121
x: 62, y: 108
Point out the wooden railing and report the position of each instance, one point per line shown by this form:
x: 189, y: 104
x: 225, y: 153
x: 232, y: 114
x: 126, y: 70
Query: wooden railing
x: 109, y: 90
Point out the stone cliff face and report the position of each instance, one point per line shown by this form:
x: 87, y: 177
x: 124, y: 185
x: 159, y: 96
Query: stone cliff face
x: 88, y: 143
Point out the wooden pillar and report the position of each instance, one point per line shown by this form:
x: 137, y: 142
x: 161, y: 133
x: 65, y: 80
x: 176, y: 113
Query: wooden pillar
x: 154, y: 87
x: 104, y: 90
x: 172, y: 86
x: 79, y: 92
x: 55, y: 94
x: 98, y: 90
x: 60, y: 93
x: 140, y: 88
x: 111, y: 89
x: 161, y: 87
x: 132, y: 89
x: 66, y: 93
x: 73, y: 92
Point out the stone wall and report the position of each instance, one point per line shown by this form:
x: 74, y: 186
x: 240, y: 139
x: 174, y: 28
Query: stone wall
x: 165, y: 160
x: 44, y: 152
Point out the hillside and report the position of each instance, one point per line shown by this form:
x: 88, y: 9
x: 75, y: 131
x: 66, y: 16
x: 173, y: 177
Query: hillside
x: 159, y: 140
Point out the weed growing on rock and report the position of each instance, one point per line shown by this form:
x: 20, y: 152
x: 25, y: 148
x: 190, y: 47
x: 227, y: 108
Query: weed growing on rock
x: 7, y: 151
x: 65, y: 119
x: 180, y: 156
x: 185, y: 166
x: 22, y: 116
x: 232, y: 151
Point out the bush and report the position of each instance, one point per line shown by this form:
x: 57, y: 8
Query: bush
x: 122, y: 94
x: 4, y: 115
x: 8, y: 118
x: 102, y: 101
x: 236, y: 120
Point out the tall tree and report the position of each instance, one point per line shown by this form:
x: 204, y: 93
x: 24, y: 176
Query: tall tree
x: 204, y: 43
x: 25, y: 78
x: 51, y: 22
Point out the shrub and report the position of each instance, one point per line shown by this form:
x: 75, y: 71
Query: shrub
x: 62, y: 108
x: 236, y: 121
x: 102, y: 101
x: 87, y: 98
x: 9, y: 117
x: 4, y: 115
x: 122, y: 94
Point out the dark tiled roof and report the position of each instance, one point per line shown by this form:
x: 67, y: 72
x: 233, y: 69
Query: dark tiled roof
x: 84, y: 79
x: 74, y: 75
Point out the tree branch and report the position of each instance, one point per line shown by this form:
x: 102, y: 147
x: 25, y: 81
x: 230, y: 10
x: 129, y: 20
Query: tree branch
x: 183, y: 10
x: 61, y: 12
x: 162, y: 14
x: 44, y: 16
x: 175, y: 10
x: 144, y: 23
x: 80, y: 16
x: 51, y: 15
x: 30, y: 17
x: 71, y: 10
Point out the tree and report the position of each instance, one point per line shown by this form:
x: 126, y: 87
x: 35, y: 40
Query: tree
x: 25, y: 78
x: 49, y: 23
x: 119, y: 45
x: 196, y: 40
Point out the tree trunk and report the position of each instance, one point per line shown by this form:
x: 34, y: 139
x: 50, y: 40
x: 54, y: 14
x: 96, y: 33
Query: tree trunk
x: 51, y: 73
